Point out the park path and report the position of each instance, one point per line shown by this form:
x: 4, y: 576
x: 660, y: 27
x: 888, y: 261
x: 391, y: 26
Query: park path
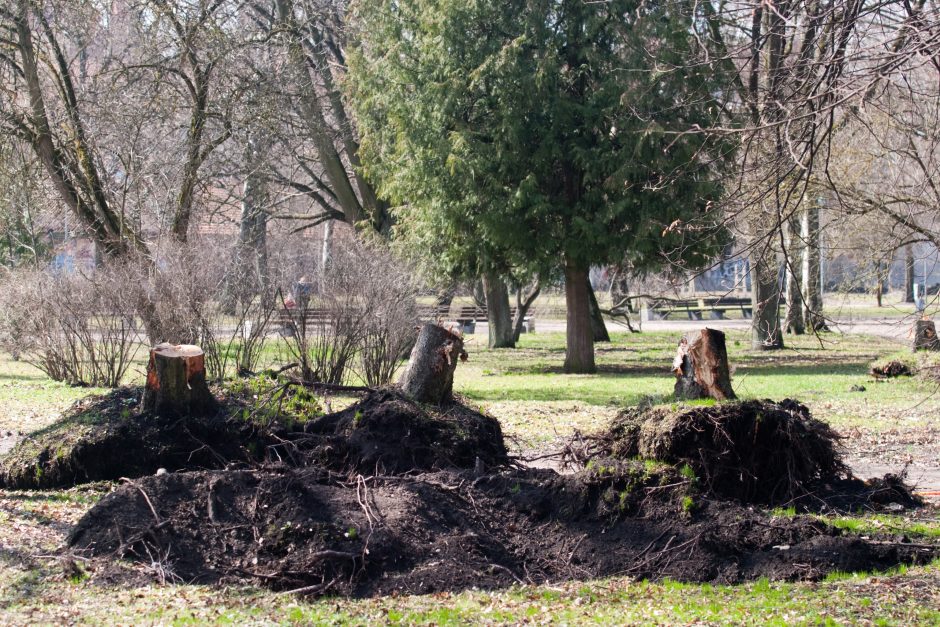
x: 897, y: 329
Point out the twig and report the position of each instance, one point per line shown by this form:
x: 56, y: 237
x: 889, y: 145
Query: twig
x: 577, y: 544
x: 315, y: 589
x: 330, y: 387
x: 509, y: 572
x: 160, y: 523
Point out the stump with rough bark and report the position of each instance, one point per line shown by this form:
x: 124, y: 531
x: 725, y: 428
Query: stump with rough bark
x: 701, y: 367
x: 429, y: 376
x: 925, y: 336
x: 176, y: 381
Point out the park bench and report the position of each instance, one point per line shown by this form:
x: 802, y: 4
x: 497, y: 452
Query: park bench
x: 289, y: 319
x: 467, y: 316
x: 695, y: 308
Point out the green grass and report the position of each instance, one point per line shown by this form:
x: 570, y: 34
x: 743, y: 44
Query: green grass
x: 634, y: 368
x: 864, y: 598
x: 885, y: 524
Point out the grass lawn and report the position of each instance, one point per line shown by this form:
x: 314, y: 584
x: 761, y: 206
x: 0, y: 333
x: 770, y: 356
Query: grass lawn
x: 537, y: 404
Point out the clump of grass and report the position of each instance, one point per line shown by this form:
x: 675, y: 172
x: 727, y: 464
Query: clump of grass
x: 883, y: 523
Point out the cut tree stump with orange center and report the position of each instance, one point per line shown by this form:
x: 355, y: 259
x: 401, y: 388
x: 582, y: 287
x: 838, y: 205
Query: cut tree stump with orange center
x: 176, y: 381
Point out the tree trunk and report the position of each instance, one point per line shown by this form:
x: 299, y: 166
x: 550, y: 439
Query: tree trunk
x: 429, y: 375
x: 794, y: 322
x: 251, y: 267
x: 765, y: 301
x: 498, y: 315
x: 314, y: 116
x: 909, y: 274
x: 925, y: 336
x: 325, y: 255
x: 812, y: 260
x: 579, y: 355
x: 598, y: 328
x: 176, y: 381
x: 523, y: 305
x: 881, y: 270
x: 701, y: 367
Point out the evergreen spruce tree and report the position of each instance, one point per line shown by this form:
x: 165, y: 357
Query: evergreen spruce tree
x: 542, y: 133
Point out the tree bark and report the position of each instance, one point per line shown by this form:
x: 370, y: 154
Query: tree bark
x: 765, y: 301
x: 701, y: 367
x: 579, y: 355
x: 314, y: 116
x: 252, y: 263
x: 925, y: 336
x: 794, y: 322
x: 909, y: 274
x: 176, y: 381
x: 429, y: 375
x: 812, y: 289
x: 523, y: 305
x: 498, y: 315
x: 881, y: 271
x: 598, y: 328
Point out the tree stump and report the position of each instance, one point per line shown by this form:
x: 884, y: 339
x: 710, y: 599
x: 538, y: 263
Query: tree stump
x: 429, y: 375
x: 176, y: 381
x: 925, y: 336
x: 701, y: 367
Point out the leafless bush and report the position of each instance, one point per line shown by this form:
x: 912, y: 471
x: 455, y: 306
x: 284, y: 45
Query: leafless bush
x: 195, y: 294
x: 389, y: 291
x: 361, y: 305
x: 325, y: 322
x: 76, y: 329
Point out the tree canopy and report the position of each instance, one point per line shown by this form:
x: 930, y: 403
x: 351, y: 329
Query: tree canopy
x: 549, y: 132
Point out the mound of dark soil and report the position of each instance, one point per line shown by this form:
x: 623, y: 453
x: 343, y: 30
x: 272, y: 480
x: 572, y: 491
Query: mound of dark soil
x: 891, y: 369
x: 388, y: 433
x: 105, y: 437
x: 753, y: 451
x: 298, y: 529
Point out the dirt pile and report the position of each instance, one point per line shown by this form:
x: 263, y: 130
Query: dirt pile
x: 753, y: 451
x: 257, y: 421
x: 302, y: 529
x: 391, y: 496
x: 388, y: 433
x: 105, y: 438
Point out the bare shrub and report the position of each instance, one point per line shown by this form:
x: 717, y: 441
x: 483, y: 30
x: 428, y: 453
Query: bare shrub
x: 360, y: 314
x: 325, y: 323
x: 389, y: 291
x: 76, y: 329
x: 195, y: 294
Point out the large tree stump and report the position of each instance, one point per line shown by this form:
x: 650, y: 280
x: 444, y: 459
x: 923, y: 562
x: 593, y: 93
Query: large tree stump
x: 701, y: 367
x: 925, y: 336
x: 429, y: 375
x: 176, y: 381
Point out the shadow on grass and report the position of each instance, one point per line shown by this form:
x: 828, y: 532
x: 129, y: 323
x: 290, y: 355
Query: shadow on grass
x: 629, y: 384
x: 31, y: 378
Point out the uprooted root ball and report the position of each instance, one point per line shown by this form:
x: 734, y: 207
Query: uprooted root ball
x: 755, y: 451
x: 107, y: 437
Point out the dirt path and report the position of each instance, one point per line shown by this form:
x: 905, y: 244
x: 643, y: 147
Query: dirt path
x: 893, y: 329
